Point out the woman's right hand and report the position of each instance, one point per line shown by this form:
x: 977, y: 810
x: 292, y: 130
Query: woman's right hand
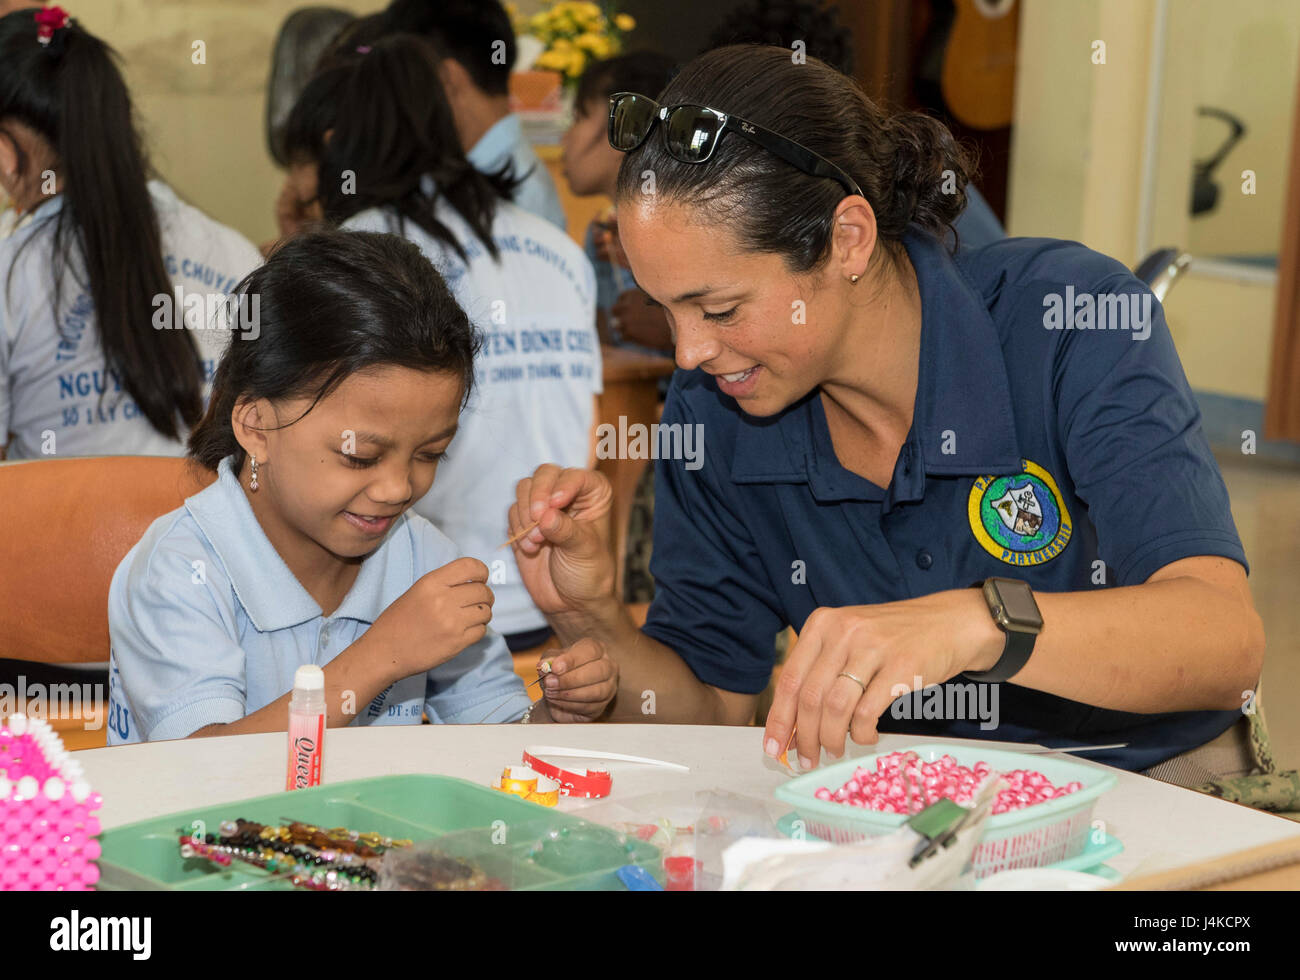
x: 445, y: 611
x: 564, y: 562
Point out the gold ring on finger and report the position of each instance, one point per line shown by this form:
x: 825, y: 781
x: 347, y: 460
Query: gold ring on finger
x: 856, y: 680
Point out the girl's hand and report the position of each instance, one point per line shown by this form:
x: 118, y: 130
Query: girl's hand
x: 582, y: 682
x: 893, y: 648
x: 641, y: 321
x: 445, y: 611
x: 608, y: 247
x: 564, y: 562
x: 291, y: 215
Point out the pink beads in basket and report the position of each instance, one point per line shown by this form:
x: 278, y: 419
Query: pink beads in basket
x: 903, y: 783
x: 47, y: 826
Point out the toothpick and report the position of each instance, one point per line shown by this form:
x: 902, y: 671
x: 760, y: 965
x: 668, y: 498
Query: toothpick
x: 789, y: 742
x: 545, y: 668
x: 526, y: 531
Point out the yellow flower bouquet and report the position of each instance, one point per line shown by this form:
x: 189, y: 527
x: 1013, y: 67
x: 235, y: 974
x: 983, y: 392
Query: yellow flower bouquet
x: 574, y: 34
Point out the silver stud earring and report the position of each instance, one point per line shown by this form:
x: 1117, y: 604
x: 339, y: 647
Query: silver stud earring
x: 252, y: 484
x: 854, y: 279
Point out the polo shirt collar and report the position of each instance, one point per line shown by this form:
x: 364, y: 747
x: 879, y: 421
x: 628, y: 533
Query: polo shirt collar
x: 271, y: 595
x: 962, y: 386
x: 496, y: 147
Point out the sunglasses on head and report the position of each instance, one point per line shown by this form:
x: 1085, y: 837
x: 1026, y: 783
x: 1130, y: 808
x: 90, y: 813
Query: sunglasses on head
x: 691, y: 133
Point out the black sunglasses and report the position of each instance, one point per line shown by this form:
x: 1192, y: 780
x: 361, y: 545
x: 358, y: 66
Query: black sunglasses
x: 691, y: 133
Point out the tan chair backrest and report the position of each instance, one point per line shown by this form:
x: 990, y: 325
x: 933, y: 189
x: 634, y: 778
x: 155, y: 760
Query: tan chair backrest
x: 65, y: 526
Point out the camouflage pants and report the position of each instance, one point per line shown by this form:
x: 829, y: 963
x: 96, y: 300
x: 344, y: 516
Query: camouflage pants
x: 1237, y: 766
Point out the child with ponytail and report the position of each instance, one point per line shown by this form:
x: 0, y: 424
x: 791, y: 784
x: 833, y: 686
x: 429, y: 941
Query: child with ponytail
x: 101, y: 269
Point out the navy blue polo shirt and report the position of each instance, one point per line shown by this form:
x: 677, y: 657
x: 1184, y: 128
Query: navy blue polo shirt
x: 1053, y: 431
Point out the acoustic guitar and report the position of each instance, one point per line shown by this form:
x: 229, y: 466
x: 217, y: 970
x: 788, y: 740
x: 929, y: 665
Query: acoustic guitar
x: 979, y: 66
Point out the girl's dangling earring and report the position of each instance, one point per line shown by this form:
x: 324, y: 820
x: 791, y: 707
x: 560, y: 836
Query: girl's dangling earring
x: 252, y: 484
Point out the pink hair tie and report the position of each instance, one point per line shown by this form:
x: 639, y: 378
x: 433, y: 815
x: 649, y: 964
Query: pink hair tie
x: 48, y: 21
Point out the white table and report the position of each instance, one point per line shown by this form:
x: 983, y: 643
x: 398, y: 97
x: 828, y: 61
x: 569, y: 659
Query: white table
x: 1161, y: 826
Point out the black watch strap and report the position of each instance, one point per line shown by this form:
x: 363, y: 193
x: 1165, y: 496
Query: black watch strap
x: 1015, y: 654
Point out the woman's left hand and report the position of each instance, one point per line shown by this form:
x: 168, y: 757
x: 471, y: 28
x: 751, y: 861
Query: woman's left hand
x: 892, y: 648
x: 582, y: 682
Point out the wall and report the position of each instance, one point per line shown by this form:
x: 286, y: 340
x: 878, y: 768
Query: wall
x: 204, y: 125
x: 1077, y: 164
x: 1244, y: 61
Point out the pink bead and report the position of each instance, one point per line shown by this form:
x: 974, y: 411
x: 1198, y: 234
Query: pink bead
x: 90, y: 874
x: 823, y: 794
x: 91, y: 850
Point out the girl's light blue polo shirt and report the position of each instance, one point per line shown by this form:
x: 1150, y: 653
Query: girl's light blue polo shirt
x: 208, y: 625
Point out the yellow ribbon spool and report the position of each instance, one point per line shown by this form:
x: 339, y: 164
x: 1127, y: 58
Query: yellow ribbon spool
x: 518, y: 780
x: 547, y: 792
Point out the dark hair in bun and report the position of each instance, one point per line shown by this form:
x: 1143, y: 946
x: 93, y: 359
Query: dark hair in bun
x: 909, y: 166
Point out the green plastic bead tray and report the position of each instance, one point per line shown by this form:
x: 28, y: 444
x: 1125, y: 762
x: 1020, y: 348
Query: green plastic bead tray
x: 146, y: 854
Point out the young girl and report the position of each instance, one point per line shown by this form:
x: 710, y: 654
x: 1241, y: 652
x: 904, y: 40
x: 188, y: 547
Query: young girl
x: 98, y: 267
x: 323, y: 433
x: 372, y: 137
x: 623, y: 315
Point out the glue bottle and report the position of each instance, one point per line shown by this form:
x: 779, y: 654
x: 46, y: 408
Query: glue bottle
x: 306, y: 728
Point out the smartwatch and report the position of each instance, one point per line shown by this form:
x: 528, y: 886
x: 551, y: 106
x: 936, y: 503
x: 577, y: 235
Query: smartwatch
x: 1011, y: 603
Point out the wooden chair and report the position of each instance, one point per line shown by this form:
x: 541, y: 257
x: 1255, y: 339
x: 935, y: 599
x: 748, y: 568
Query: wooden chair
x: 631, y: 382
x: 631, y: 391
x: 68, y: 524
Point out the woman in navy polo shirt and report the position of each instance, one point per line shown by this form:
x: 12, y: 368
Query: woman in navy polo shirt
x: 886, y: 423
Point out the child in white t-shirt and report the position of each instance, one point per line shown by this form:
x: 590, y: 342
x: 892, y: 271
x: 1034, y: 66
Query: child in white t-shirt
x: 101, y: 270
x: 381, y: 116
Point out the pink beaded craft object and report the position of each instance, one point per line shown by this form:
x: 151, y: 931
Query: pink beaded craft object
x: 47, y: 826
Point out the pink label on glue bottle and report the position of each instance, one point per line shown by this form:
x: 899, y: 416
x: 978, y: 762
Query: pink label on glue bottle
x: 306, y: 735
x: 306, y: 728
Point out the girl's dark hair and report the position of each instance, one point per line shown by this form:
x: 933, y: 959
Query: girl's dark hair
x: 467, y: 31
x: 71, y: 93
x: 324, y: 306
x: 358, y: 32
x: 646, y: 72
x: 908, y: 165
x: 391, y: 126
x: 782, y: 22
